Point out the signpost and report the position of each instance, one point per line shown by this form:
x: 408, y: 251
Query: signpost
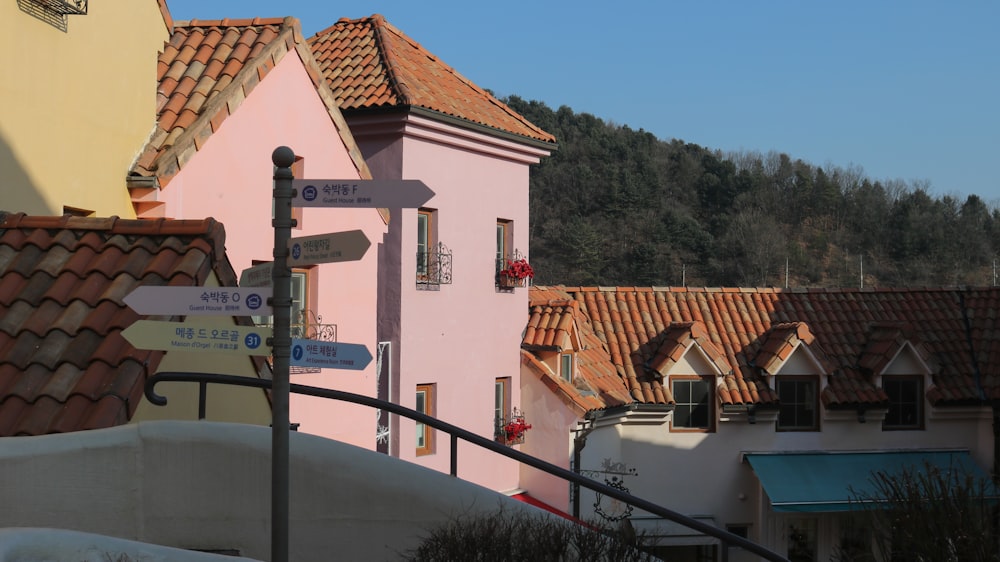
x: 330, y: 355
x: 199, y: 301
x: 328, y: 248
x: 288, y: 193
x: 360, y: 193
x: 188, y: 336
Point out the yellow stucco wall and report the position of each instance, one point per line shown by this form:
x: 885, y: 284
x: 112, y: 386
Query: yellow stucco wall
x: 77, y: 102
x: 223, y: 403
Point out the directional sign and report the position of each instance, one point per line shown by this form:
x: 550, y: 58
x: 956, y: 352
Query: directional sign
x: 185, y: 336
x: 329, y: 355
x: 404, y: 194
x: 257, y: 276
x: 327, y: 248
x: 199, y: 301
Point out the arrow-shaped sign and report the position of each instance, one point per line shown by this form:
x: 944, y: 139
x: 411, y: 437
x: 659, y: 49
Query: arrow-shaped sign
x: 184, y: 336
x: 329, y: 355
x: 199, y: 301
x: 327, y: 248
x: 257, y: 276
x: 404, y: 194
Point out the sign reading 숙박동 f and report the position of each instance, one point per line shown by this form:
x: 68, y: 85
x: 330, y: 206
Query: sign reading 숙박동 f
x: 404, y: 194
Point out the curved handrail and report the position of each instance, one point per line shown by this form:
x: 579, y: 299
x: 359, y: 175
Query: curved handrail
x: 458, y: 433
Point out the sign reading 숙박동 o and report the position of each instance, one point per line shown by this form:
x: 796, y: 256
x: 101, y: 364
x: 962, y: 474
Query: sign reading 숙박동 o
x: 199, y: 301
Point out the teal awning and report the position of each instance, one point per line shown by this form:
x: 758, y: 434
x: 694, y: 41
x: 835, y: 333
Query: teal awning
x: 821, y: 482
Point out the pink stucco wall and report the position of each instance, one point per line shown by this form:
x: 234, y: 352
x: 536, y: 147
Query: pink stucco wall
x: 230, y: 179
x: 551, y: 440
x: 466, y: 334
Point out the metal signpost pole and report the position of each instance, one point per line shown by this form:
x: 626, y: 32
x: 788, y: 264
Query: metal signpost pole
x: 281, y: 343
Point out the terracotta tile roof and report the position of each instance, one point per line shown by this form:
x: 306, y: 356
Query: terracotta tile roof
x: 747, y: 333
x: 371, y: 64
x: 205, y: 72
x: 598, y: 382
x: 63, y: 363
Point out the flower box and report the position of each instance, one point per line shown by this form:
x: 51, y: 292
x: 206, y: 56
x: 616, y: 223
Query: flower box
x: 510, y: 431
x: 517, y: 273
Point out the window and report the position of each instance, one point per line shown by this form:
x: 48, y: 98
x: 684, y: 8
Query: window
x: 501, y: 401
x: 433, y: 257
x: 694, y: 400
x: 802, y: 543
x: 425, y: 405
x: 799, y: 402
x: 740, y: 530
x: 855, y: 540
x: 425, y: 240
x: 505, y: 232
x: 905, y: 402
x: 566, y: 367
x: 301, y: 287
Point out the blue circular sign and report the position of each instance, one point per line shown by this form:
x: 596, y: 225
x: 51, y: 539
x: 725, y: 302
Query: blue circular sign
x: 252, y: 341
x: 296, y: 250
x: 309, y: 192
x: 297, y: 352
x: 254, y: 301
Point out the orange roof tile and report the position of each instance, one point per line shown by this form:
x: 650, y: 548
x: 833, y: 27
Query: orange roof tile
x: 64, y: 365
x: 597, y: 383
x: 370, y: 64
x: 852, y: 333
x: 205, y: 72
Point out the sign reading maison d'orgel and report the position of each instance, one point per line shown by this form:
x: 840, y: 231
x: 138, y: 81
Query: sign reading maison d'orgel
x: 407, y: 194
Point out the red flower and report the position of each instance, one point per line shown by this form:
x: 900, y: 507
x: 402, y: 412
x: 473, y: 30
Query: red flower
x: 515, y: 429
x: 518, y: 269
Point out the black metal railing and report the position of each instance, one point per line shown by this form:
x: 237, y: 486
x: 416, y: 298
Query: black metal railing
x: 434, y: 266
x: 456, y: 433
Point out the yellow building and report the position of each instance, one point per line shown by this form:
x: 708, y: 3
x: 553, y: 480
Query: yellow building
x: 77, y: 101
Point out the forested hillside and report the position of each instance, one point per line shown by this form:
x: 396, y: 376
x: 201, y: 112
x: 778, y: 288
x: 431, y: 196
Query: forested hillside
x: 616, y: 206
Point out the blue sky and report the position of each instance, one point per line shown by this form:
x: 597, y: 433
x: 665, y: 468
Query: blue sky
x: 902, y: 89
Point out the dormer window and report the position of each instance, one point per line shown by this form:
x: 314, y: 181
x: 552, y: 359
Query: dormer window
x: 566, y: 367
x: 906, y: 402
x: 799, y: 399
x: 695, y: 398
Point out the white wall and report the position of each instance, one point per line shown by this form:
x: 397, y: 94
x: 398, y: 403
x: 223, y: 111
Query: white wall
x: 206, y: 485
x: 702, y: 473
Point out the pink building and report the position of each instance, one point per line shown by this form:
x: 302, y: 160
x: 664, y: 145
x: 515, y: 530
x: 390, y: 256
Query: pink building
x: 452, y: 330
x: 230, y: 92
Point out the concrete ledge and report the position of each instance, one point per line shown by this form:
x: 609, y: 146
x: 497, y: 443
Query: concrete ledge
x: 206, y: 486
x: 33, y: 545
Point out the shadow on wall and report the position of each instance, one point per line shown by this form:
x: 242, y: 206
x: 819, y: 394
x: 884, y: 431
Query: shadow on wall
x: 39, y: 11
x: 17, y: 192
